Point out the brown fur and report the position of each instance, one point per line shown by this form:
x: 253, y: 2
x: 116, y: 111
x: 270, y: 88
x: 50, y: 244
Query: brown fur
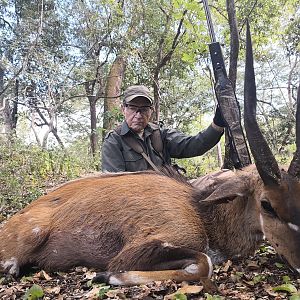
x: 105, y: 222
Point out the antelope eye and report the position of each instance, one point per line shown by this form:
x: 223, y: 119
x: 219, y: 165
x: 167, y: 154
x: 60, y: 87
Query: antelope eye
x: 267, y: 207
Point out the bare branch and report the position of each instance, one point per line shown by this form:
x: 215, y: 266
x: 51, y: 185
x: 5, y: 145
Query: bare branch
x: 168, y: 56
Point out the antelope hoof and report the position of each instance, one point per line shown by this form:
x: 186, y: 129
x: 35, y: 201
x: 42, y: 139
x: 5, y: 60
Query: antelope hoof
x: 102, y: 277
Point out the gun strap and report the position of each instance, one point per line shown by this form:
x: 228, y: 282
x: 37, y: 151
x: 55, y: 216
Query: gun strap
x: 231, y: 112
x: 156, y: 139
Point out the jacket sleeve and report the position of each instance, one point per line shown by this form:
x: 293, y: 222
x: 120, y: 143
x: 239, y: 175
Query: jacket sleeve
x: 112, y: 157
x: 180, y: 145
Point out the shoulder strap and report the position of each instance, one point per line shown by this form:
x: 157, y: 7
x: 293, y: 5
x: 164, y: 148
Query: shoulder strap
x: 136, y: 146
x: 156, y: 139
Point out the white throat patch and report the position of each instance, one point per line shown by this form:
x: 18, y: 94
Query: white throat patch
x: 294, y: 227
x: 262, y: 225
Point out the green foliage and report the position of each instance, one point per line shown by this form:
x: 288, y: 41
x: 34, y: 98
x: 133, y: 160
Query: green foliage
x: 292, y: 36
x: 286, y: 279
x: 199, y: 166
x: 102, y: 291
x: 279, y: 265
x: 286, y: 287
x: 34, y: 293
x: 212, y: 297
x: 180, y: 297
x: 26, y: 171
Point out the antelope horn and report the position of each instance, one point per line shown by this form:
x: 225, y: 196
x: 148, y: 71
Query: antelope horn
x: 264, y: 160
x: 294, y: 168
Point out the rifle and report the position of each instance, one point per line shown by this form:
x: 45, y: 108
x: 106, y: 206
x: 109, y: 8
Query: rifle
x: 227, y: 101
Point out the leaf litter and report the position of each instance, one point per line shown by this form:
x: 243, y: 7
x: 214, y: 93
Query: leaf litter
x: 263, y: 276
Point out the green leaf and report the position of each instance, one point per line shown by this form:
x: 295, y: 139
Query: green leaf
x: 189, y: 58
x: 279, y: 265
x: 287, y: 287
x: 34, y: 293
x: 180, y: 297
x: 258, y: 278
x: 103, y: 290
x: 295, y: 297
x: 27, y: 279
x: 286, y: 279
x: 212, y: 297
x: 89, y: 283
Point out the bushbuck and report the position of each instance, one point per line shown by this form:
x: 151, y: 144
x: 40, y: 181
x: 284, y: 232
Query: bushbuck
x: 153, y: 227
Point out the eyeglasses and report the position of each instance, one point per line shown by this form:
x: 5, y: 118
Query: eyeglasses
x: 144, y: 110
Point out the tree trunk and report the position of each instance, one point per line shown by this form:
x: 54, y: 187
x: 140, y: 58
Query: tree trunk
x: 5, y: 110
x: 2, y: 102
x: 15, y: 106
x: 89, y: 88
x: 112, y: 94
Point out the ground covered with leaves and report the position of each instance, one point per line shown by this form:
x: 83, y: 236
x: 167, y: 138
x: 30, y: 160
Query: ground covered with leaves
x: 262, y: 276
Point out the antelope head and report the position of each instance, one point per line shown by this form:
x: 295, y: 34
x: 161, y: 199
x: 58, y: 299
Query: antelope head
x: 279, y: 201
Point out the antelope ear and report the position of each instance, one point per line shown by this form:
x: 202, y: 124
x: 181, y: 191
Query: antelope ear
x: 227, y: 191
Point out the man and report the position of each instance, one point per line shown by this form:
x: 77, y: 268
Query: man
x: 133, y: 145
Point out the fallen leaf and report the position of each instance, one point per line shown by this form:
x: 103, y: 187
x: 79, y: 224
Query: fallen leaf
x: 27, y: 279
x: 269, y: 290
x: 52, y: 290
x: 93, y: 293
x: 252, y: 265
x: 89, y: 275
x: 115, y: 294
x: 227, y: 265
x: 187, y: 289
x: 43, y: 275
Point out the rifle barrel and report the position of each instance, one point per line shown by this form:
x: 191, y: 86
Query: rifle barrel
x: 209, y: 22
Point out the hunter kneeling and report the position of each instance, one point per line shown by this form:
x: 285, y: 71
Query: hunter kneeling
x: 138, y: 145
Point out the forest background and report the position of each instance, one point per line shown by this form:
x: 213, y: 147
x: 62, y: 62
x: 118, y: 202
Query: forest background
x: 65, y: 64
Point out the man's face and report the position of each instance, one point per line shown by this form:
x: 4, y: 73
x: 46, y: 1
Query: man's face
x: 137, y: 113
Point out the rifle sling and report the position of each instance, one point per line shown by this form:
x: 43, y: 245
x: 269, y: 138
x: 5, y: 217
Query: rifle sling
x: 135, y: 145
x: 156, y: 141
x: 231, y: 112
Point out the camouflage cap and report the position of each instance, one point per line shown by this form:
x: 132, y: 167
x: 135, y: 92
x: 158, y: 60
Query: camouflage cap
x: 135, y: 91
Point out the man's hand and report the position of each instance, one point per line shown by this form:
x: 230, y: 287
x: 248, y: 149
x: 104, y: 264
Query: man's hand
x: 218, y: 118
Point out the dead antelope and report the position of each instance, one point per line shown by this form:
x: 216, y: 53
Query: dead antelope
x: 153, y: 227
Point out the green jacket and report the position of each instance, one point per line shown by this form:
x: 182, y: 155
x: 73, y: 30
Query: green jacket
x: 117, y: 156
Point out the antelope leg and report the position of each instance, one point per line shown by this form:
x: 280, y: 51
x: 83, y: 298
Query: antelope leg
x: 154, y: 261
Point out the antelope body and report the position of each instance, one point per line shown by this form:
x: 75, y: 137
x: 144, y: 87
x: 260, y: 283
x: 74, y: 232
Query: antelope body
x: 120, y: 222
x: 153, y: 227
